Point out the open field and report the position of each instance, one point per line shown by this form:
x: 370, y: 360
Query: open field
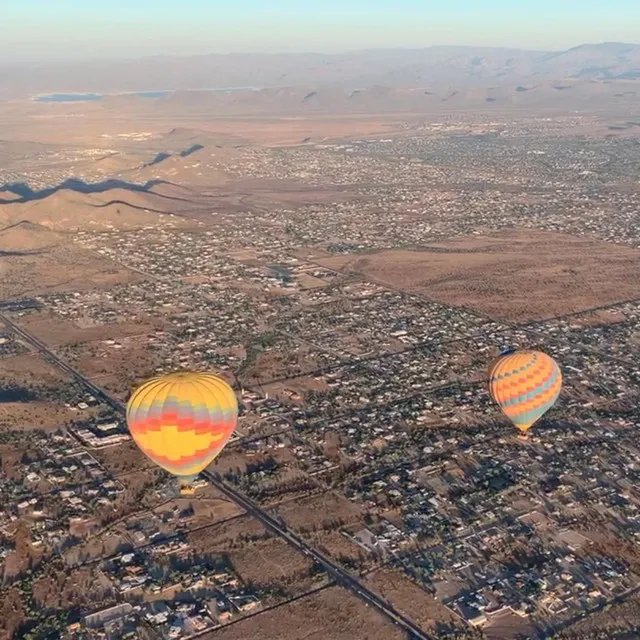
x: 505, y: 625
x: 55, y: 124
x: 271, y: 563
x: 411, y: 600
x: 326, y: 511
x: 337, y: 546
x: 280, y: 363
x: 608, y: 623
x: 56, y: 332
x: 118, y: 371
x: 36, y: 415
x: 331, y: 613
x: 58, y: 268
x: 85, y: 586
x: 123, y: 458
x: 223, y: 537
x: 30, y: 369
x: 516, y: 275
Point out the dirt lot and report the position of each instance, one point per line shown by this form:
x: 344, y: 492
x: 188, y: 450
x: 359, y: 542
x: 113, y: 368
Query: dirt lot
x: 123, y: 459
x: 86, y: 586
x: 222, y: 538
x: 330, y: 613
x: 626, y: 615
x: 257, y: 556
x: 516, y: 275
x: 506, y: 624
x: 58, y: 269
x: 36, y: 415
x: 206, y: 510
x: 300, y: 386
x: 334, y: 544
x: 275, y: 365
x: 409, y: 599
x: 30, y: 369
x: 56, y: 332
x: 273, y: 562
x: 320, y: 511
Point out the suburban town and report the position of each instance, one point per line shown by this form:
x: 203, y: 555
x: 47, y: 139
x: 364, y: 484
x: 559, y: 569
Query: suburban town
x: 367, y: 435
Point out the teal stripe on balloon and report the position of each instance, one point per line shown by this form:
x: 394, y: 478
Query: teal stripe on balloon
x: 528, y: 417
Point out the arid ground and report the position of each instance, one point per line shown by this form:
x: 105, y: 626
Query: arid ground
x: 517, y: 275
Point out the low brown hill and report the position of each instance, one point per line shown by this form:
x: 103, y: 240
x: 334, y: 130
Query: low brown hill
x: 203, y: 167
x: 26, y: 236
x: 118, y: 164
x: 67, y: 210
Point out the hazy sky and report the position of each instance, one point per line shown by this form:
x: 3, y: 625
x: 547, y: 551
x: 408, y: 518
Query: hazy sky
x: 108, y: 28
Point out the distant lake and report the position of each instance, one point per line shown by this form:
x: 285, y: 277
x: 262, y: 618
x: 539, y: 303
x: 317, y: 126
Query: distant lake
x: 89, y: 97
x: 69, y: 97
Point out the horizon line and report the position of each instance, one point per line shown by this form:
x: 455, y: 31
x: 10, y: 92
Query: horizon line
x: 47, y: 60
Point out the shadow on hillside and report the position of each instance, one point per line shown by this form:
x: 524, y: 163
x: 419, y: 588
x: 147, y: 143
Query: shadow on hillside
x: 163, y: 155
x: 133, y: 206
x: 30, y: 252
x: 26, y: 194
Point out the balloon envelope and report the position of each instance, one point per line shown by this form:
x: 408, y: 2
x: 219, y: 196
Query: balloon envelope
x: 182, y: 421
x: 526, y: 384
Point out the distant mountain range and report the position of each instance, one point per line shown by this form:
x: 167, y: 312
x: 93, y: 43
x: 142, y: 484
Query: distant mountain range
x: 399, y: 68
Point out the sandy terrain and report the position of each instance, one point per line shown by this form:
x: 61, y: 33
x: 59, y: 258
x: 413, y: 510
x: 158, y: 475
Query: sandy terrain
x: 59, y: 268
x: 26, y: 236
x: 81, y: 123
x: 69, y: 211
x: 516, y: 275
x: 331, y: 613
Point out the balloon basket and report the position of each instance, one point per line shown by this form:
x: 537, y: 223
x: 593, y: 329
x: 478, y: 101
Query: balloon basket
x: 524, y: 437
x: 186, y: 485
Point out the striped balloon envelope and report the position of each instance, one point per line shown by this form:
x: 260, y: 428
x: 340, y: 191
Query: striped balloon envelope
x: 182, y: 421
x: 525, y: 384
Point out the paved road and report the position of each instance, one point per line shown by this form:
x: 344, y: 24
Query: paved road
x: 341, y: 576
x: 61, y: 364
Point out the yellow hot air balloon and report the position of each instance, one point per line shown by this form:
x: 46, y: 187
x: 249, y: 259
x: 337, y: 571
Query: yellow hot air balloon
x: 526, y: 384
x: 182, y: 421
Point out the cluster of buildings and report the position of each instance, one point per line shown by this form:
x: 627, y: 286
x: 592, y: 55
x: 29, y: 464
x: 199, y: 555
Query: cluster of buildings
x: 60, y: 489
x: 209, y: 595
